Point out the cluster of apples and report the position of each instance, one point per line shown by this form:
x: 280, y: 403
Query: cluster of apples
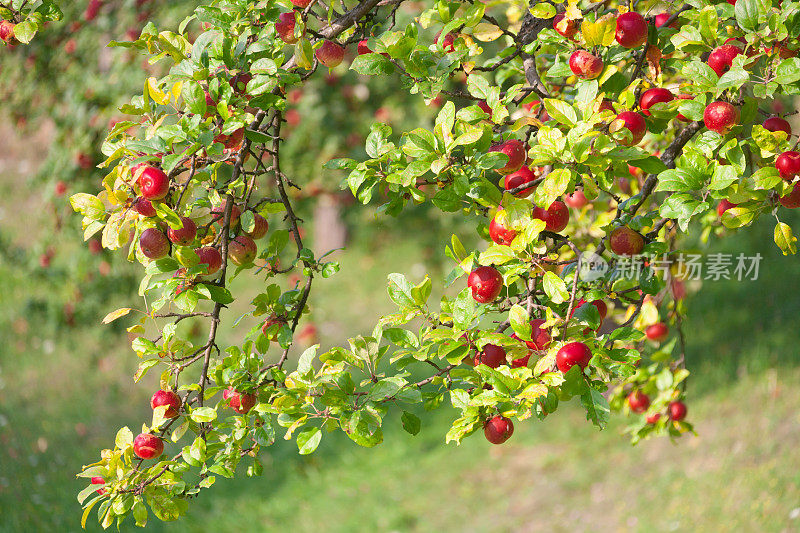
x: 154, y: 243
x: 150, y: 446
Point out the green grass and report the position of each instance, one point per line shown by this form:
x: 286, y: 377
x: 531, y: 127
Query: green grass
x: 64, y: 392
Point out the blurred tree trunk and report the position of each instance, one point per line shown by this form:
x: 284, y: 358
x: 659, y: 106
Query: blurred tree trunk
x: 329, y: 230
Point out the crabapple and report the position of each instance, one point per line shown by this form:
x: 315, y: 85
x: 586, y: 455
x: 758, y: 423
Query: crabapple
x: 571, y: 354
x: 144, y: 207
x: 657, y: 332
x: 724, y: 205
x: 555, y: 217
x: 778, y: 124
x: 260, y: 227
x: 585, y: 65
x: 499, y: 233
x: 625, y: 241
x: 567, y: 28
x: 788, y: 165
x: 631, y: 30
x: 485, y: 283
x: 491, y: 356
x: 721, y: 58
x: 153, y: 243
x: 638, y: 401
x: 242, y: 250
x: 147, y: 446
x: 521, y: 177
x: 153, y: 183
x: 166, y: 397
x: 211, y: 257
x: 720, y: 117
x: 677, y: 410
x: 239, y: 401
x: 185, y: 234
x: 498, y: 429
x: 284, y: 27
x: 791, y: 200
x: 576, y: 200
x: 656, y: 95
x: 330, y: 54
x: 515, y: 150
x: 635, y: 124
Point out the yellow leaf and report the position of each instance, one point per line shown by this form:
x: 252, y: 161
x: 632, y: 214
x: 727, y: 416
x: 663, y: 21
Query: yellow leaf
x: 533, y: 391
x: 155, y: 93
x: 487, y: 32
x: 119, y: 313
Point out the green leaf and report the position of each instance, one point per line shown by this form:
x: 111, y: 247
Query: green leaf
x: 554, y: 185
x: 555, y: 288
x: 788, y: 71
x: 749, y: 13
x: 785, y: 239
x: 411, y: 422
x: 496, y: 254
x: 520, y: 322
x: 597, y: 409
x: 386, y: 388
x: 124, y: 438
x: 308, y: 440
x: 203, y: 414
x: 561, y: 111
x: 25, y: 30
x: 678, y: 179
x: 372, y: 64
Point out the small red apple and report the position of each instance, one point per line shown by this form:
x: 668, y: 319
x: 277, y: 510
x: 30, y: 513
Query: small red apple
x: 652, y: 419
x: 499, y: 233
x: 791, y: 200
x: 260, y: 227
x: 284, y: 27
x: 498, y: 429
x: 521, y: 177
x: 153, y: 243
x: 625, y: 241
x: 566, y: 28
x: 721, y: 58
x: 330, y: 54
x: 684, y: 97
x: 635, y: 124
x: 571, y: 354
x: 656, y: 95
x: 677, y: 410
x: 515, y: 150
x: 144, y: 207
x: 662, y: 19
x: 148, y: 446
x: 778, y: 124
x: 788, y: 165
x: 211, y: 257
x: 657, y: 332
x: 491, y: 356
x: 239, y: 402
x: 266, y: 328
x: 638, y: 401
x: 448, y: 43
x: 576, y: 200
x: 585, y: 65
x: 720, y: 117
x: 218, y: 213
x: 631, y: 30
x: 153, y: 182
x: 724, y: 205
x: 97, y: 480
x: 540, y: 338
x: 556, y: 217
x: 185, y: 234
x: 485, y: 283
x: 242, y: 250
x: 302, y: 4
x: 167, y: 397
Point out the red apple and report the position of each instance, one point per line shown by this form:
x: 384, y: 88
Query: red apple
x: 635, y: 124
x: 153, y: 182
x: 638, y: 401
x: 97, y: 480
x: 662, y: 19
x: 652, y: 419
x: 268, y: 325
x: 211, y: 257
x: 92, y: 9
x: 61, y: 188
x: 166, y: 397
x: 302, y: 4
x: 556, y: 217
x: 491, y: 356
x: 791, y: 200
x: 657, y: 332
x: 239, y: 84
x: 485, y: 283
x: 625, y: 241
x: 566, y: 28
x: 147, y: 446
x: 499, y: 233
x: 239, y: 401
x: 242, y: 250
x: 515, y: 150
x: 631, y: 30
x: 7, y: 31
x: 724, y: 205
x: 576, y: 200
x: 153, y: 243
x: 684, y: 97
x: 677, y: 410
x: 520, y: 177
x: 284, y: 27
x: 574, y: 353
x: 585, y: 65
x: 330, y: 54
x: 448, y: 43
x: 218, y: 213
x: 260, y: 227
x: 721, y: 58
x: 600, y: 305
x: 540, y: 338
x: 498, y: 429
x: 185, y: 234
x: 788, y: 165
x: 656, y: 95
x: 144, y: 207
x: 778, y: 124
x: 721, y: 117
x: 606, y: 105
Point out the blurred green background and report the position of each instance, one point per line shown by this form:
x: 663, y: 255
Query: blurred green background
x: 66, y: 385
